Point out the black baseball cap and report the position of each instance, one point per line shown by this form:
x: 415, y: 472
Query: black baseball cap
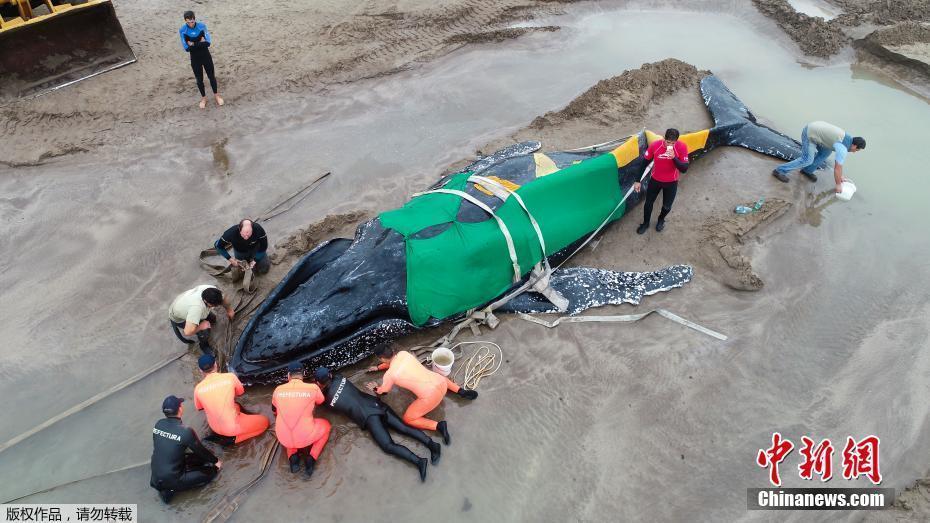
x: 321, y: 373
x: 294, y: 367
x: 171, y: 405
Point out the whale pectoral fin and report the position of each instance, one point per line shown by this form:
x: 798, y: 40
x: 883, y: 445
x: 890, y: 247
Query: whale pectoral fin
x: 585, y: 287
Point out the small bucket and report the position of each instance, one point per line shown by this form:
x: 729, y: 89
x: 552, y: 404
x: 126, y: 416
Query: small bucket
x: 442, y: 359
x: 849, y: 189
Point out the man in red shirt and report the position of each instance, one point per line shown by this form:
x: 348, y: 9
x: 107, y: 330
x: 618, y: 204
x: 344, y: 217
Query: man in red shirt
x: 670, y: 157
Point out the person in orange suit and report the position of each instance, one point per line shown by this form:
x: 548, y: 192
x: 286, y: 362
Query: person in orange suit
x: 297, y: 430
x: 405, y: 371
x: 216, y: 396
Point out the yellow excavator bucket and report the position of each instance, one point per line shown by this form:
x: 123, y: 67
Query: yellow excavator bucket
x: 48, y: 44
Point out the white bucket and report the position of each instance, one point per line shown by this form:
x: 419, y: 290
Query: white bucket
x: 443, y: 359
x: 849, y: 188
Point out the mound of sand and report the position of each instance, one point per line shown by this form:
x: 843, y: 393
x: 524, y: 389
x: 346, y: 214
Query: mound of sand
x: 626, y: 96
x: 814, y: 35
x: 901, y: 51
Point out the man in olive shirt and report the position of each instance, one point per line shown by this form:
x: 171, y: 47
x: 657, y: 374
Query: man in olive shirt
x: 818, y: 141
x: 190, y: 311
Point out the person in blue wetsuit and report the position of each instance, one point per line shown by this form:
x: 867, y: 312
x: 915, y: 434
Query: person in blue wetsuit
x: 195, y: 39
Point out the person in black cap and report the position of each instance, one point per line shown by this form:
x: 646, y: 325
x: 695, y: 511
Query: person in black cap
x: 173, y: 468
x: 371, y: 414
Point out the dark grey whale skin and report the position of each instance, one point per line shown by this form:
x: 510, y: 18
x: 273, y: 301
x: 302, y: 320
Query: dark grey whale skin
x: 347, y: 297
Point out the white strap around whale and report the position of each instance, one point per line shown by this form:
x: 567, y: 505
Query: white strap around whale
x: 500, y: 223
x: 542, y: 271
x: 494, y: 184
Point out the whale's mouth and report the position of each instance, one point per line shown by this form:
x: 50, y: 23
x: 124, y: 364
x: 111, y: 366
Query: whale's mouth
x: 336, y: 304
x: 335, y: 351
x: 272, y: 354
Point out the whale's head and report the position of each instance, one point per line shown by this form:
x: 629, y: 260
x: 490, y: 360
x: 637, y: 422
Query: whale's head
x: 332, y: 309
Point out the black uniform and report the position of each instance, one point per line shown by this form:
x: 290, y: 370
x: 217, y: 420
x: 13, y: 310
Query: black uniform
x: 372, y: 414
x: 253, y: 249
x: 173, y: 468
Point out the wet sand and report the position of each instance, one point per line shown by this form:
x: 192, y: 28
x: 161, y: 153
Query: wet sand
x: 583, y: 423
x: 273, y: 51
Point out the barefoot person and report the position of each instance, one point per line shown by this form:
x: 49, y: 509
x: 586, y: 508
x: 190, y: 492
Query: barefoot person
x: 195, y: 39
x: 670, y: 158
x: 818, y: 141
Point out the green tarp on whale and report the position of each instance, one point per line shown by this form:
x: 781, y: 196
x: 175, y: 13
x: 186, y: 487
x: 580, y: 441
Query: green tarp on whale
x: 468, y: 264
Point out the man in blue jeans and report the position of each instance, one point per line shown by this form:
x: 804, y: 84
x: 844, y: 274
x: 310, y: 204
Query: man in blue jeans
x: 249, y: 245
x: 818, y: 141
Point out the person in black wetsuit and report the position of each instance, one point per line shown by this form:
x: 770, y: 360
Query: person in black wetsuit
x: 249, y: 245
x: 173, y: 468
x: 195, y: 39
x: 371, y: 414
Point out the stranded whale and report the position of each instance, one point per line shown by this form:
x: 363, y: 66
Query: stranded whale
x: 472, y: 237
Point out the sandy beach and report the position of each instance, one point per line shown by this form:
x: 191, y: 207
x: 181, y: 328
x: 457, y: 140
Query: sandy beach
x: 108, y: 189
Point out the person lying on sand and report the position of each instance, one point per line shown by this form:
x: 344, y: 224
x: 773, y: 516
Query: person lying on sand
x: 818, y: 141
x: 195, y: 39
x: 670, y: 158
x: 406, y: 371
x: 371, y: 414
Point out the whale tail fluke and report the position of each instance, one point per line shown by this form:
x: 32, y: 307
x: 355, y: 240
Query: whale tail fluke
x: 734, y: 124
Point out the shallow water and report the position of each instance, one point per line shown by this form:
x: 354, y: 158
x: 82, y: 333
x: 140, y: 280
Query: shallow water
x: 844, y: 352
x: 815, y: 8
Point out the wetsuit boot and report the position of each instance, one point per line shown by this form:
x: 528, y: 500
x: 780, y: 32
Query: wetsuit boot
x: 435, y: 452
x: 468, y: 394
x: 225, y: 441
x: 204, y: 338
x: 443, y: 429
x: 294, y: 461
x: 643, y: 227
x: 422, y: 466
x: 309, y: 463
x: 166, y: 495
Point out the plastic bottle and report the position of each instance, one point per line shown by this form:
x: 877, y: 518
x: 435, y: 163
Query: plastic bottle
x: 742, y: 209
x: 758, y: 204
